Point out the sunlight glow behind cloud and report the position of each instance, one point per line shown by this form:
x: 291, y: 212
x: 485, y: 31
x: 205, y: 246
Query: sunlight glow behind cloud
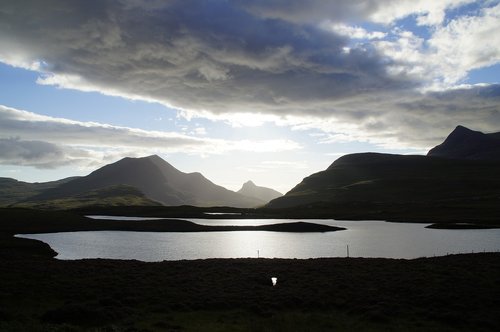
x: 42, y: 141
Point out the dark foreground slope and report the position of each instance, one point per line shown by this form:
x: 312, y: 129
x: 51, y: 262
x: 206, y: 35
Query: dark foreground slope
x: 384, y: 186
x: 452, y: 293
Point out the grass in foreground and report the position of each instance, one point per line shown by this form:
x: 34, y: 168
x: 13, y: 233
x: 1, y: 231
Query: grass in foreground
x: 452, y: 293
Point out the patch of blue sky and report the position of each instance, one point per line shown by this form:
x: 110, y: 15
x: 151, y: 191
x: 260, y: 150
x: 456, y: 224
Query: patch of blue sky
x: 489, y: 75
x: 470, y: 9
x: 409, y: 23
x: 18, y: 89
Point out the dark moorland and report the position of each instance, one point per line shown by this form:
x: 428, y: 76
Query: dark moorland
x: 40, y: 293
x: 452, y: 293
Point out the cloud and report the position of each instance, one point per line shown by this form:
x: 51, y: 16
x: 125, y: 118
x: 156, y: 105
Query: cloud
x: 427, y: 12
x: 249, y: 62
x: 410, y: 120
x: 353, y: 32
x: 31, y: 139
x: 27, y: 125
x: 453, y: 50
x: 186, y: 56
x: 467, y: 43
x: 35, y: 153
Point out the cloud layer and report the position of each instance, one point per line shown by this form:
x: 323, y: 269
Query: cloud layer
x: 273, y: 58
x: 35, y: 140
x: 209, y: 55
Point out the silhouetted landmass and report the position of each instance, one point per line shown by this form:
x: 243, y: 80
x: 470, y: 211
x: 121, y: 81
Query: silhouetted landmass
x: 464, y: 143
x: 13, y: 191
x: 393, y: 187
x: 15, y: 220
x: 443, y: 218
x: 156, y: 179
x: 457, y: 182
x: 262, y: 193
x: 451, y: 293
x: 463, y: 187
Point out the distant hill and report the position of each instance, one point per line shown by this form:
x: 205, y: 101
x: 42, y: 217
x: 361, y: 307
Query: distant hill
x: 119, y: 195
x: 157, y: 180
x: 262, y: 193
x: 12, y: 190
x: 464, y: 143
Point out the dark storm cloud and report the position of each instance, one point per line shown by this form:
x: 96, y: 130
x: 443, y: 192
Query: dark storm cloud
x: 312, y: 10
x: 198, y: 55
x: 216, y: 58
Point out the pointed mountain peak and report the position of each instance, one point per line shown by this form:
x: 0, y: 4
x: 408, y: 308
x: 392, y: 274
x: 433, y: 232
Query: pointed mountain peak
x: 250, y: 189
x: 249, y: 183
x: 464, y: 143
x: 461, y: 131
x: 461, y: 128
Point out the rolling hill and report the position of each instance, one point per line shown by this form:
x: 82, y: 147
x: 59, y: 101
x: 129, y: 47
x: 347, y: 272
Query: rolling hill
x: 156, y: 179
x: 13, y: 191
x: 400, y: 186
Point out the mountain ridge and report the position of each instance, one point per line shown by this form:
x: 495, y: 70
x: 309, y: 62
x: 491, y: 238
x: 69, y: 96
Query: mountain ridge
x: 464, y: 143
x: 395, y: 186
x: 157, y: 180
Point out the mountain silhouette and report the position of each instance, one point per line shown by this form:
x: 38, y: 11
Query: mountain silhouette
x: 457, y: 179
x: 262, y: 193
x: 464, y: 143
x: 157, y: 180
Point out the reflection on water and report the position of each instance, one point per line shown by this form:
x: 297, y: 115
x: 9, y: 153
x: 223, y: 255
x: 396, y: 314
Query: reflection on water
x: 98, y: 217
x: 364, y: 238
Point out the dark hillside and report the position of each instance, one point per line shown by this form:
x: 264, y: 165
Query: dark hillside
x: 385, y: 186
x: 464, y: 143
x: 157, y: 180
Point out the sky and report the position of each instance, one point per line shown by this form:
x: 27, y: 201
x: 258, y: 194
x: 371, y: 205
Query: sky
x: 265, y: 90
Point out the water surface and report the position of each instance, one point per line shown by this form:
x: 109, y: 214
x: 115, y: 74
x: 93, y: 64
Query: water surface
x: 364, y: 238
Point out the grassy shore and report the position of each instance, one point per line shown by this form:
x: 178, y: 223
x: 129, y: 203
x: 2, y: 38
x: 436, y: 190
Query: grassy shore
x: 40, y: 293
